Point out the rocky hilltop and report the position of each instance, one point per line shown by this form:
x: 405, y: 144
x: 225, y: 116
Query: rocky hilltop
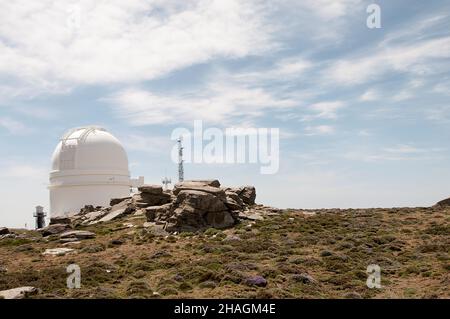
x: 201, y: 240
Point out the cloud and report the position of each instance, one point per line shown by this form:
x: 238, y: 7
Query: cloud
x: 216, y: 103
x: 319, y: 130
x: 370, y: 95
x: 51, y: 44
x: 421, y: 58
x: 13, y: 126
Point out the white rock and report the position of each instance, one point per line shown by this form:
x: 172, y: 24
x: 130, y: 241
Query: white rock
x: 58, y: 251
x: 18, y: 293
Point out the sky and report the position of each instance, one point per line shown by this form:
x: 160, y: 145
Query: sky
x: 363, y: 113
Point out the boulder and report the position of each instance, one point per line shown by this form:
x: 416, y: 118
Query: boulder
x: 78, y: 234
x: 60, y: 220
x: 115, y: 201
x: 233, y: 201
x: 87, y: 209
x: 445, y: 202
x: 4, y: 231
x: 194, y: 209
x: 54, y: 229
x: 248, y: 195
x: 151, y: 189
x: 157, y: 212
x: 19, y: 293
x: 143, y: 200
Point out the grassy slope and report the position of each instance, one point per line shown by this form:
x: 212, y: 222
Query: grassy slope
x: 334, y: 247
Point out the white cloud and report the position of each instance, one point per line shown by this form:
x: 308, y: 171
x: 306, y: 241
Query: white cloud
x: 119, y: 41
x: 13, y: 126
x: 319, y: 130
x: 421, y: 58
x: 216, y: 103
x: 370, y: 95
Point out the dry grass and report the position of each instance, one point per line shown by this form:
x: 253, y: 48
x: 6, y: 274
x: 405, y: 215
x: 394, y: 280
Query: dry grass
x: 410, y: 245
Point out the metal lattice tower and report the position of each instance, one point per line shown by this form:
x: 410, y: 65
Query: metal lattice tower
x: 180, y: 160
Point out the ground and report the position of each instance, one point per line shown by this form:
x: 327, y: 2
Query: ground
x: 300, y: 254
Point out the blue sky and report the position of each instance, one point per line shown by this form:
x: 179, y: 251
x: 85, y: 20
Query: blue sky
x: 363, y: 113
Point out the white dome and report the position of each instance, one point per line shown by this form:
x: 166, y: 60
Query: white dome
x: 89, y: 167
x: 89, y: 148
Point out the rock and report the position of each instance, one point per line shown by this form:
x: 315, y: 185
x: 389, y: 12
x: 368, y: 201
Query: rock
x: 115, y: 201
x: 123, y: 208
x: 54, y: 229
x: 58, y: 251
x: 155, y: 212
x: 87, y: 209
x: 151, y: 189
x: 194, y: 210
x: 143, y: 200
x: 19, y: 293
x: 248, y: 195
x: 255, y: 281
x: 250, y: 216
x: 198, y: 183
x: 92, y: 216
x: 303, y: 278
x: 233, y: 201
x: 445, y: 202
x: 60, y: 220
x: 207, y: 189
x: 4, y: 231
x: 78, y: 234
x: 232, y: 238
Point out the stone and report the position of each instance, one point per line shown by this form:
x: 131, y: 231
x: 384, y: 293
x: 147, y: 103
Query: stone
x: 248, y: 195
x: 123, y: 208
x: 151, y: 189
x: 250, y: 216
x: 4, y: 231
x: 143, y: 200
x: 233, y: 201
x: 78, y: 234
x: 155, y: 212
x: 60, y: 220
x: 87, y: 209
x: 54, y: 229
x: 92, y: 216
x: 19, y: 293
x: 255, y: 281
x: 115, y: 201
x: 58, y: 251
x: 303, y: 278
x: 207, y: 189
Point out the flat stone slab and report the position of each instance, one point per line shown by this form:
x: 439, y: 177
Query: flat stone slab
x: 57, y: 251
x: 18, y: 293
x: 113, y: 215
x: 251, y: 216
x: 78, y: 234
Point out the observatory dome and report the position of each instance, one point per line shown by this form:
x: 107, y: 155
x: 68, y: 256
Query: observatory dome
x: 89, y: 167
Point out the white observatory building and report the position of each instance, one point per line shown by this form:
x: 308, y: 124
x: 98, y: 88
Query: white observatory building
x: 89, y: 167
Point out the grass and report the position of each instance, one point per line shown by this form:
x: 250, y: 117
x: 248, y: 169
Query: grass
x: 334, y: 247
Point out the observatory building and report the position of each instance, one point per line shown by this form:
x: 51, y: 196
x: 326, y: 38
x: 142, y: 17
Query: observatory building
x: 89, y: 167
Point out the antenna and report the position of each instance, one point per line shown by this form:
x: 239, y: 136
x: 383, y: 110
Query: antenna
x: 180, y: 160
x: 40, y: 217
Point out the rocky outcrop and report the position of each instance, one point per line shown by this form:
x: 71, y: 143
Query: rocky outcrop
x: 191, y: 206
x: 4, y: 231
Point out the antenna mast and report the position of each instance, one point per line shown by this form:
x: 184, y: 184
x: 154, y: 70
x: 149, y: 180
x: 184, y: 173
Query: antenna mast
x: 180, y: 160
